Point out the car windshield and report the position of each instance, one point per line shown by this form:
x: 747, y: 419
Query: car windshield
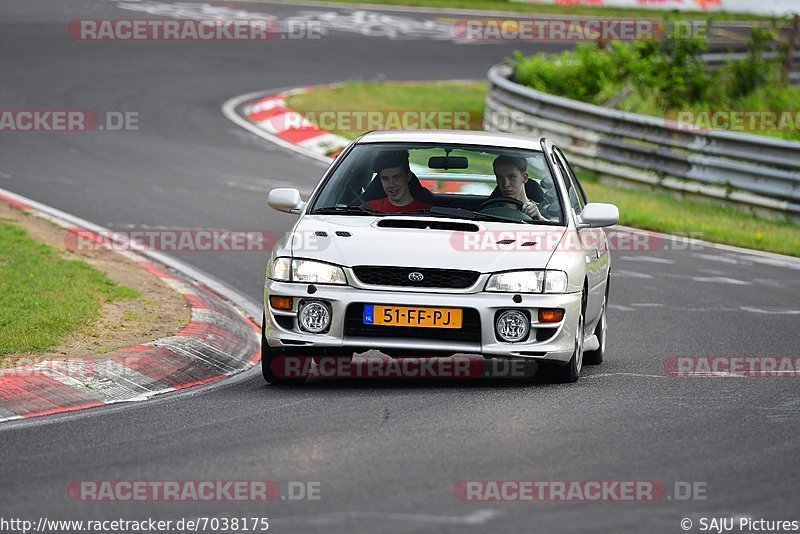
x: 442, y: 180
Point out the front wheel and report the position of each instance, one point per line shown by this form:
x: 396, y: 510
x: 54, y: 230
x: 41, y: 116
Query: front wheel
x: 280, y: 367
x: 563, y: 374
x: 595, y: 357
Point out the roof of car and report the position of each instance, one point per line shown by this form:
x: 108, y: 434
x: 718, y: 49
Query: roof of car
x: 466, y: 137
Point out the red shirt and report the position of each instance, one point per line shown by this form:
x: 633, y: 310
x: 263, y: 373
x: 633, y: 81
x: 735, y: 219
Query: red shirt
x: 386, y: 206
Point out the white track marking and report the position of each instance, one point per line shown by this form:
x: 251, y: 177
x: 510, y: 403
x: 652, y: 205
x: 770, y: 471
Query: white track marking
x: 647, y: 259
x: 721, y: 280
x: 721, y: 259
x: 630, y: 274
x: 477, y: 517
x: 773, y: 311
x: 605, y: 375
x: 620, y: 307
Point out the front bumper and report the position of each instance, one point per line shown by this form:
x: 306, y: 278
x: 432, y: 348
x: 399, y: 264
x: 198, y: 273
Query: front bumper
x: 282, y: 331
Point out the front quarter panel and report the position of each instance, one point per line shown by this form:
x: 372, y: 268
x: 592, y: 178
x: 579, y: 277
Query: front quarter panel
x: 571, y: 259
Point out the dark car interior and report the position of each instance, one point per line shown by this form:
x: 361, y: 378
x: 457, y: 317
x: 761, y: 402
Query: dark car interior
x: 362, y: 184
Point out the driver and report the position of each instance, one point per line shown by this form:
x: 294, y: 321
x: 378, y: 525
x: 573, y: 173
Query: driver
x: 395, y: 175
x: 511, y: 174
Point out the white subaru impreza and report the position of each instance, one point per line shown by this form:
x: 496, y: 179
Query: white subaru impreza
x: 434, y: 243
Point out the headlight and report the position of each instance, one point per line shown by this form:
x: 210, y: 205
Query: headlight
x: 555, y: 282
x: 516, y: 282
x: 306, y: 271
x: 528, y: 282
x: 280, y: 269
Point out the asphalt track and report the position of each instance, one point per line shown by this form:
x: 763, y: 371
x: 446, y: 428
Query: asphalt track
x: 387, y: 454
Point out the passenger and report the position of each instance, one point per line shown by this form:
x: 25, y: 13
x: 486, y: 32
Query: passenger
x: 511, y: 174
x: 395, y: 175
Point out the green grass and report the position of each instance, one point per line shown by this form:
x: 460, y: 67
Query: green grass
x: 715, y: 222
x: 524, y: 7
x: 658, y: 211
x: 44, y: 297
x: 451, y: 97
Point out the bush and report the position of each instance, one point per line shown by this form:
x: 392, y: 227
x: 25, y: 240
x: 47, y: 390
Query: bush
x: 666, y: 76
x: 745, y: 76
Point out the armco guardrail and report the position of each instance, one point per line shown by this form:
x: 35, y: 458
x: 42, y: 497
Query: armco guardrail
x: 750, y: 169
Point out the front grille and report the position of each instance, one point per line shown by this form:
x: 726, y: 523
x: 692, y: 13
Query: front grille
x: 399, y: 276
x: 470, y: 330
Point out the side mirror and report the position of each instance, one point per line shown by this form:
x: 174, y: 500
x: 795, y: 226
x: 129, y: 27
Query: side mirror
x: 285, y: 199
x: 598, y: 215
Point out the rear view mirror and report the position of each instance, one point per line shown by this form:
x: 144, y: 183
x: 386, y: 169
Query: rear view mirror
x: 448, y: 162
x: 598, y: 215
x: 285, y: 199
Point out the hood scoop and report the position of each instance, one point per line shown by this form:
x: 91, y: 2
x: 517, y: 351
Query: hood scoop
x: 340, y: 233
x: 428, y: 224
x: 512, y: 241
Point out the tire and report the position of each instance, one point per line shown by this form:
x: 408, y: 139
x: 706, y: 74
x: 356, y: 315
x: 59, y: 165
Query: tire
x: 269, y: 355
x: 565, y: 374
x: 595, y: 357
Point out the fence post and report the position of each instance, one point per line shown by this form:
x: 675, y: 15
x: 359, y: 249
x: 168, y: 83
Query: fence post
x: 787, y: 63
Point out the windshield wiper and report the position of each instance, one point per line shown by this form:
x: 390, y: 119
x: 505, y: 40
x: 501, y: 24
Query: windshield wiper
x: 436, y: 211
x: 347, y: 210
x: 461, y: 213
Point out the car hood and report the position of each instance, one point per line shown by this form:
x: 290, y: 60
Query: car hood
x: 487, y: 247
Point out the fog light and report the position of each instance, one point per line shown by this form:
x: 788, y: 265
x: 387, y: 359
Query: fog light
x: 512, y: 326
x: 550, y: 315
x: 314, y: 316
x: 280, y: 303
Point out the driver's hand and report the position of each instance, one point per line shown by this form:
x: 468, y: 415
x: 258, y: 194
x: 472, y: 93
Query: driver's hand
x: 531, y: 210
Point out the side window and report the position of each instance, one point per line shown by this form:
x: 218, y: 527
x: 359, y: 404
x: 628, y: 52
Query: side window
x: 575, y: 198
x: 576, y: 194
x: 573, y: 178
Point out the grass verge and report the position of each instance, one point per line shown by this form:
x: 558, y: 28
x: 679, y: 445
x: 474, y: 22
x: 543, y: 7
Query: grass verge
x: 461, y: 97
x: 719, y: 223
x: 651, y: 210
x: 44, y: 297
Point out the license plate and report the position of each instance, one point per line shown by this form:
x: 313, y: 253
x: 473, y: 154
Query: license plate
x: 412, y: 316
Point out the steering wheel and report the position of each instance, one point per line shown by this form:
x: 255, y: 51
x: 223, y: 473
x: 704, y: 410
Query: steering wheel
x: 511, y: 213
